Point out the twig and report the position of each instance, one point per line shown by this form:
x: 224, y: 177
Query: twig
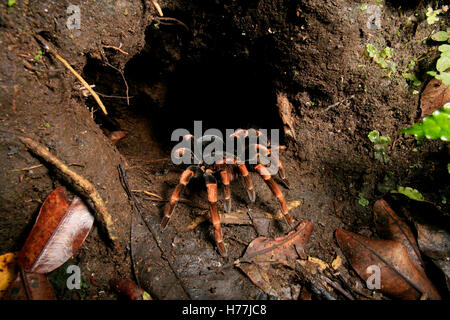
x: 338, y: 103
x: 32, y: 167
x: 86, y: 188
x: 157, y: 7
x: 148, y: 193
x: 123, y: 77
x: 137, y: 206
x: 161, y: 20
x: 116, y: 48
x: 68, y: 66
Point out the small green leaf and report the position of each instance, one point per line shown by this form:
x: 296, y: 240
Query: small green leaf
x: 11, y: 3
x: 440, y: 36
x: 363, y: 201
x: 432, y: 15
x: 436, y: 126
x: 410, y: 193
x: 373, y: 136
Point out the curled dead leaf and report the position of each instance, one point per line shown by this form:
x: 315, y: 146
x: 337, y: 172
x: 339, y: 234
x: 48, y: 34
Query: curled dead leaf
x: 283, y: 249
x: 399, y: 277
x: 30, y: 286
x: 59, y: 231
x: 434, y: 96
x: 391, y: 227
x: 285, y: 111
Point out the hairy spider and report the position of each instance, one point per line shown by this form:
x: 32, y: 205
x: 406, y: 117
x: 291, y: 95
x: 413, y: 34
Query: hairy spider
x: 226, y: 169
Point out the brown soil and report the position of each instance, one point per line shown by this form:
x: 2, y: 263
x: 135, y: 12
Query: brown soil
x: 224, y: 66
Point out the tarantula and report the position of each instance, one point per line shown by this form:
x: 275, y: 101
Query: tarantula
x: 228, y: 168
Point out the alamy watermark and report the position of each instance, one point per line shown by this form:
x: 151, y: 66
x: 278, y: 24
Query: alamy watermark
x: 373, y: 282
x: 74, y: 19
x: 235, y: 146
x: 74, y: 280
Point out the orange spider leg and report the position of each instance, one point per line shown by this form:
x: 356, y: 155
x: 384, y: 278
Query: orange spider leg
x: 211, y: 187
x: 264, y: 173
x: 247, y: 181
x: 184, y: 180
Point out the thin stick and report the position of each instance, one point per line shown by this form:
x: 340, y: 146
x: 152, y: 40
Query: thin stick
x: 339, y: 102
x: 148, y: 193
x: 32, y: 167
x: 116, y: 48
x: 68, y: 66
x: 86, y: 188
x: 158, y: 8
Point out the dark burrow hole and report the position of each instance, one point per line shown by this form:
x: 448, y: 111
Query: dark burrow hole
x: 174, y: 81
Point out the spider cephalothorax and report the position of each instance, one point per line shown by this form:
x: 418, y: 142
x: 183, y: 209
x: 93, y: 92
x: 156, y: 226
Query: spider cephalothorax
x: 226, y: 168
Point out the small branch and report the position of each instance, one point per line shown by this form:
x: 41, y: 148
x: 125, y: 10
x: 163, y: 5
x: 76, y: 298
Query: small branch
x: 157, y: 7
x: 85, y: 187
x: 148, y: 193
x: 68, y: 66
x: 116, y: 48
x: 338, y: 103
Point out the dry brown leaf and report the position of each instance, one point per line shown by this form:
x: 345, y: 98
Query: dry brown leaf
x: 115, y: 136
x: 30, y: 286
x: 283, y: 249
x: 391, y: 227
x: 58, y: 233
x: 398, y: 276
x: 285, y: 111
x: 434, y: 96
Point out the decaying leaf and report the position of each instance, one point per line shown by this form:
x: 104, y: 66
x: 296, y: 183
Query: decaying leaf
x: 115, y: 136
x: 58, y: 233
x: 391, y: 227
x: 8, y: 270
x: 275, y: 282
x: 434, y: 242
x: 285, y: 111
x: 434, y: 96
x: 399, y: 277
x: 283, y: 249
x: 130, y: 289
x: 30, y: 286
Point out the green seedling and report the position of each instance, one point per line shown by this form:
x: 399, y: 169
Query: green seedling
x: 432, y: 15
x: 412, y: 77
x: 11, y: 3
x: 381, y: 57
x: 380, y: 144
x: 436, y: 126
x: 362, y: 201
x: 38, y: 55
x: 442, y: 64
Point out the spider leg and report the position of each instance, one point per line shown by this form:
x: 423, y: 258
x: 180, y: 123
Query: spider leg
x: 265, y: 174
x: 211, y: 187
x: 186, y: 176
x: 266, y: 152
x: 247, y: 181
x: 225, y: 177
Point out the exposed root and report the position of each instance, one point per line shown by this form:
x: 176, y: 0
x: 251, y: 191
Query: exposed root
x: 86, y: 188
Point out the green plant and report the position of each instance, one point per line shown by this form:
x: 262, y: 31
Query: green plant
x: 443, y: 62
x: 362, y: 201
x: 38, y: 55
x: 432, y: 15
x: 381, y: 57
x: 11, y: 3
x: 436, y: 126
x: 410, y: 193
x: 380, y: 144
